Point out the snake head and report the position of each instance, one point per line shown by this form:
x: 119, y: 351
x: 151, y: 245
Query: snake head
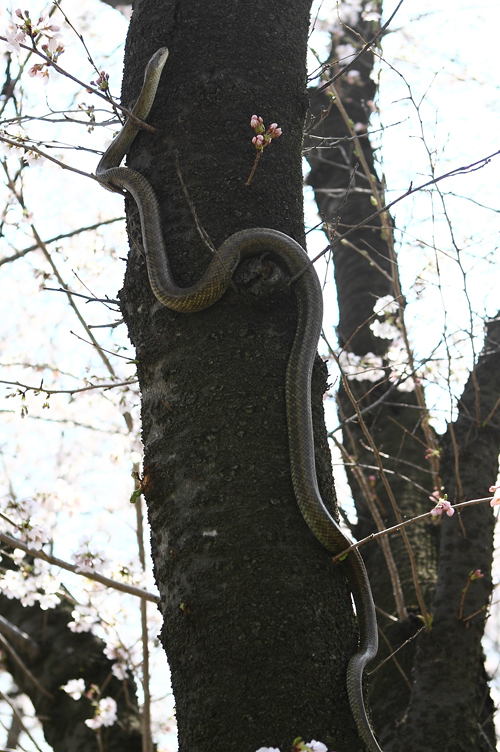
x: 156, y: 63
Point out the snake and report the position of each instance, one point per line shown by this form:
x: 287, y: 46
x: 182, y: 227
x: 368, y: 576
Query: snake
x: 207, y: 291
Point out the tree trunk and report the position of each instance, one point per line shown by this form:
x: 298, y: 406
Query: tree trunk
x: 258, y: 625
x: 433, y: 695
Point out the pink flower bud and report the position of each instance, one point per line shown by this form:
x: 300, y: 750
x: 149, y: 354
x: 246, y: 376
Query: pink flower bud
x: 273, y: 131
x: 256, y: 121
x: 19, y: 13
x: 496, y: 498
x: 443, y: 505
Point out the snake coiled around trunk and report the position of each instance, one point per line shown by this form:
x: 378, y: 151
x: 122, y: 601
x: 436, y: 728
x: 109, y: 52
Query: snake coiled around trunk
x: 205, y: 293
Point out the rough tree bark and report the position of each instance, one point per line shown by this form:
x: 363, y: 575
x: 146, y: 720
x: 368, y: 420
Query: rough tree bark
x: 258, y: 625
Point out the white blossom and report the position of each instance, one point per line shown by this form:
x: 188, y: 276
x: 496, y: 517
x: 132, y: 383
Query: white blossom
x: 84, y: 618
x: 353, y: 77
x: 85, y: 558
x: 33, y: 535
x: 350, y: 11
x: 14, y: 37
x: 105, y: 714
x: 384, y: 329
x: 122, y: 657
x: 18, y: 555
x: 387, y: 304
x: 317, y: 746
x: 120, y: 671
x: 74, y: 688
x: 361, y: 368
x: 48, y: 600
x: 371, y: 12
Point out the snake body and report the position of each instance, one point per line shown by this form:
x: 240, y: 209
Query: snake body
x: 207, y: 291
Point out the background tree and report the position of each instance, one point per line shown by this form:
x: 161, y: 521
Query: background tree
x: 246, y: 590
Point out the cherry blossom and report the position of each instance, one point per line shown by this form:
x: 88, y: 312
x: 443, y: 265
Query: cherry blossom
x: 371, y: 12
x: 367, y: 367
x: 18, y: 31
x: 317, y: 746
x: 122, y: 657
x: 386, y: 304
x: 256, y: 122
x: 74, y: 688
x: 84, y: 619
x: 353, y: 77
x: 15, y: 37
x: 86, y: 559
x: 105, y: 714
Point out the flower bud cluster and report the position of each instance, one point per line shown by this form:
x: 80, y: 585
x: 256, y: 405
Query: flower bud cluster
x: 263, y: 137
x: 102, y: 82
x: 443, y: 505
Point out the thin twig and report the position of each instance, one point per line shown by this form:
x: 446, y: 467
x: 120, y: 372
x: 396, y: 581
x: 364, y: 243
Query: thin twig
x: 20, y: 719
x: 389, y: 657
x: 384, y: 542
x: 22, y: 641
x: 17, y: 659
x: 22, y: 253
x: 9, y: 540
x: 87, y: 87
x: 394, y: 528
x: 147, y: 743
x: 362, y: 52
x: 464, y: 170
x: 48, y: 392
x: 47, y: 156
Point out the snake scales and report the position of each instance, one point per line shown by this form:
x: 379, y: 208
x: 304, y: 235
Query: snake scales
x: 207, y: 291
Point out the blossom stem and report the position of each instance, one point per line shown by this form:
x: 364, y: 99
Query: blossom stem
x: 257, y: 157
